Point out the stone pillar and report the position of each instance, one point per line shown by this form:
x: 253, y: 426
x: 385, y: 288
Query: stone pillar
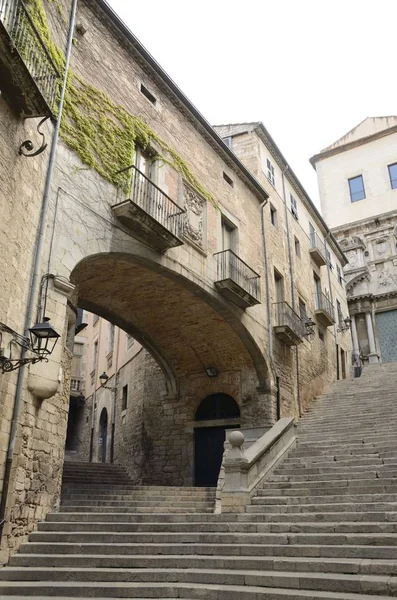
x: 372, y: 356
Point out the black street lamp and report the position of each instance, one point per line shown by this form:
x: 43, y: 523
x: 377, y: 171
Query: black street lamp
x: 43, y: 338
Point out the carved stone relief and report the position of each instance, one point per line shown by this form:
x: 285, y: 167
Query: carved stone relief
x: 352, y: 257
x: 386, y: 278
x: 195, y: 216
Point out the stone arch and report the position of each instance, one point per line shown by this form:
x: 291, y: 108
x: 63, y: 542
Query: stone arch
x: 217, y: 406
x: 125, y: 288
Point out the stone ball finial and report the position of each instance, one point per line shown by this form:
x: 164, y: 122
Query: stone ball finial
x: 236, y: 439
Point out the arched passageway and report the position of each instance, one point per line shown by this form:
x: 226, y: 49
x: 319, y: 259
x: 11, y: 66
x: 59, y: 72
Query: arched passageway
x: 218, y: 410
x: 201, y: 344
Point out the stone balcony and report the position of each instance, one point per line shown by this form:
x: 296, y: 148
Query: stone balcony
x: 317, y: 250
x: 29, y: 78
x: 324, y: 311
x: 149, y: 213
x: 236, y: 280
x: 288, y: 325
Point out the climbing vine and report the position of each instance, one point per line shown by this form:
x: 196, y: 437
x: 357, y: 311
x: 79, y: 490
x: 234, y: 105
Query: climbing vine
x: 101, y: 132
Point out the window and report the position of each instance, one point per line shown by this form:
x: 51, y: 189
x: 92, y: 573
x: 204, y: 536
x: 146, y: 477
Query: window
x: 393, y: 175
x: 270, y: 172
x: 111, y: 338
x: 273, y: 215
x: 317, y: 287
x: 228, y: 141
x: 356, y: 186
x: 302, y: 310
x: 78, y: 349
x: 329, y: 261
x: 279, y: 286
x: 94, y: 357
x: 148, y: 94
x: 228, y: 235
x: 321, y: 335
x: 228, y: 179
x: 124, y: 397
x: 130, y: 341
x: 297, y: 247
x: 294, y: 207
x: 339, y: 311
x: 339, y: 273
x: 95, y: 319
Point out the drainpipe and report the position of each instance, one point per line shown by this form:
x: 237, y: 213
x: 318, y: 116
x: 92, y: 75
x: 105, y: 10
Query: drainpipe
x: 291, y: 276
x: 116, y: 387
x: 35, y: 275
x: 269, y: 316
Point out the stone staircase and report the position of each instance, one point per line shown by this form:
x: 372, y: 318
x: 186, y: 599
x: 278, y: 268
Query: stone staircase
x: 323, y: 526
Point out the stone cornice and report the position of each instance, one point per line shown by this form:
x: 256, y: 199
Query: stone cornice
x: 349, y: 145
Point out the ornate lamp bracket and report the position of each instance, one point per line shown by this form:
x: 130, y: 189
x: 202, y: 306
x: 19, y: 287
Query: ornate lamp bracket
x: 27, y: 148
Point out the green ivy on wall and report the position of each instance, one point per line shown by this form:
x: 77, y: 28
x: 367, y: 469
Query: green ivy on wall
x: 102, y: 133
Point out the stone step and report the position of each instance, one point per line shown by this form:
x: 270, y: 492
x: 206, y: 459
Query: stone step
x: 315, y: 516
x: 214, y: 527
x: 388, y: 539
x: 324, y: 507
x: 265, y: 500
x: 356, y: 551
x: 132, y: 502
x: 170, y: 590
x: 297, y: 490
x: 134, y: 509
x: 263, y: 563
x: 145, y: 493
x: 117, y: 495
x: 360, y: 584
x: 380, y: 473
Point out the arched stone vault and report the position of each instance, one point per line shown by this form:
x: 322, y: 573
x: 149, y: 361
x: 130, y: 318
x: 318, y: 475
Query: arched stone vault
x: 181, y: 325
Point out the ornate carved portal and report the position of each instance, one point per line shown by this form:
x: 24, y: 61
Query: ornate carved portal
x: 195, y: 217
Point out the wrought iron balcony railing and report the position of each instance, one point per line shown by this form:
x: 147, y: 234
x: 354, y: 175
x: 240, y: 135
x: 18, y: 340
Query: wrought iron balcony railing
x: 25, y: 40
x: 236, y: 277
x: 285, y: 317
x: 151, y: 201
x: 324, y: 309
x: 317, y: 249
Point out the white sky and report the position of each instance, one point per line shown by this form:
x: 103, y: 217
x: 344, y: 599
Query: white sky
x: 309, y: 69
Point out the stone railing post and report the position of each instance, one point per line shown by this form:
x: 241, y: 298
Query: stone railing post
x: 235, y: 493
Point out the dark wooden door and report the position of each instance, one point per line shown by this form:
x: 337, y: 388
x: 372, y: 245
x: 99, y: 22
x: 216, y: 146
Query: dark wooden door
x: 208, y: 452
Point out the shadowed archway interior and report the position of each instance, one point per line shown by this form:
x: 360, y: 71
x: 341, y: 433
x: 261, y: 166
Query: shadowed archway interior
x: 167, y: 314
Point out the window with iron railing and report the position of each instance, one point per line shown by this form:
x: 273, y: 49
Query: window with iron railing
x: 230, y: 266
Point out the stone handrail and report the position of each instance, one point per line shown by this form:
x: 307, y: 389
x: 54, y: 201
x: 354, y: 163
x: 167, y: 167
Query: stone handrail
x: 245, y: 469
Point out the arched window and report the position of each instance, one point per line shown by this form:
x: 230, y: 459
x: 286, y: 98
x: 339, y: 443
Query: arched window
x: 217, y: 406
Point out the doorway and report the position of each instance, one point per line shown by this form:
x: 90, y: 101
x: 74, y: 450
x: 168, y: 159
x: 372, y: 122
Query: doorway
x: 343, y: 363
x: 103, y: 433
x: 209, y: 441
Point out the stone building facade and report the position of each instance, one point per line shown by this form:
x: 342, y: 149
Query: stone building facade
x: 357, y: 178
x: 154, y: 225
x: 304, y: 266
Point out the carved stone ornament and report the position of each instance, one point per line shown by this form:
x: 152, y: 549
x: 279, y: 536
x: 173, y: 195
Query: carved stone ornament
x: 352, y: 257
x: 195, y: 206
x: 386, y: 278
x: 381, y: 246
x: 352, y: 243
